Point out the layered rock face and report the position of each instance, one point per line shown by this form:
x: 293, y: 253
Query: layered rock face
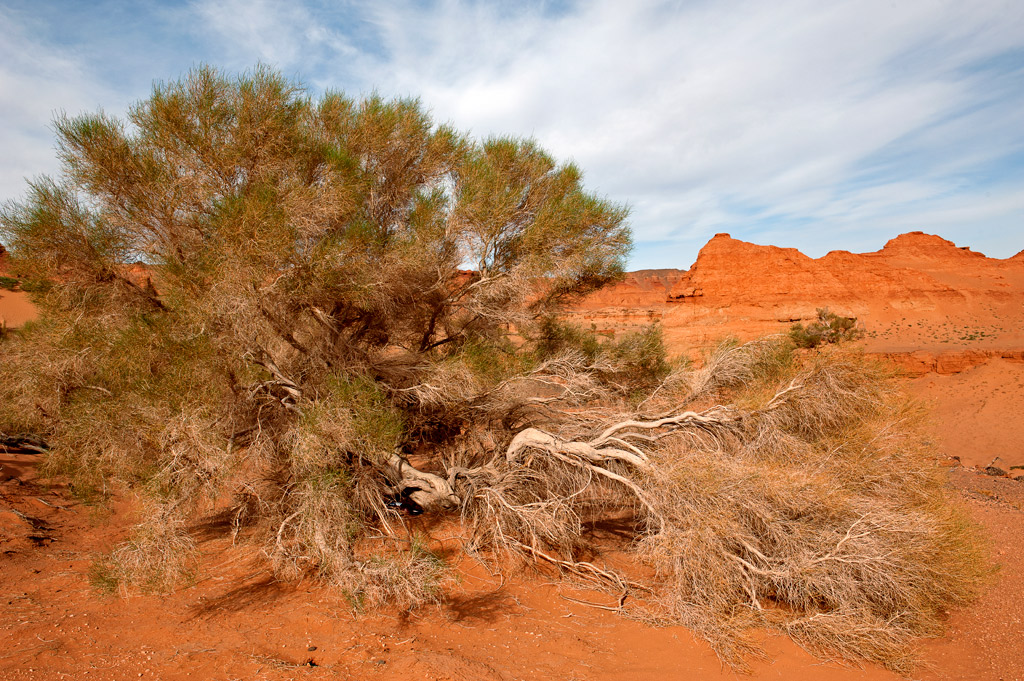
x: 918, y: 293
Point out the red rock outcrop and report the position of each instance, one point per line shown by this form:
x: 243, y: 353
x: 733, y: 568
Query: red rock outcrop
x: 920, y: 362
x: 920, y: 292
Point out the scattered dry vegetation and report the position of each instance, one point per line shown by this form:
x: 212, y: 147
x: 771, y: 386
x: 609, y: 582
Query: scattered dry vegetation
x: 302, y: 351
x: 828, y: 328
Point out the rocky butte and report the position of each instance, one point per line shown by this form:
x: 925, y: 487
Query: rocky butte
x: 921, y: 300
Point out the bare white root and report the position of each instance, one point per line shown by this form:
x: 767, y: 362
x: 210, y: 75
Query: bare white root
x: 426, y: 489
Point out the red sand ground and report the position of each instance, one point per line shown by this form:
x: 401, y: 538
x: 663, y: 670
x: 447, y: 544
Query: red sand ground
x: 237, y: 623
x: 15, y: 306
x: 977, y: 414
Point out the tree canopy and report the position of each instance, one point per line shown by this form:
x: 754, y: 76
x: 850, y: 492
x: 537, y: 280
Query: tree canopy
x: 361, y: 214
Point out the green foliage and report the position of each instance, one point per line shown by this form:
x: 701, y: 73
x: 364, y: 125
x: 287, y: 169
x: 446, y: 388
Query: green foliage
x: 246, y: 292
x: 555, y: 337
x: 642, y: 357
x: 828, y: 329
x: 637, y: 360
x: 493, y: 362
x: 9, y: 283
x: 377, y: 426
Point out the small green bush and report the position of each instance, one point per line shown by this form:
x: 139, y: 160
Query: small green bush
x: 555, y: 336
x: 642, y: 357
x: 635, y: 361
x: 830, y: 328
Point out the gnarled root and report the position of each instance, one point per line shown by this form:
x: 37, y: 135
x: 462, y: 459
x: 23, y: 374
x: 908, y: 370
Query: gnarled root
x: 624, y: 443
x: 426, y: 489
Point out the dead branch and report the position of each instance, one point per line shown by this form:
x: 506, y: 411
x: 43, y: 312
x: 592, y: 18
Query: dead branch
x: 426, y: 489
x: 292, y: 392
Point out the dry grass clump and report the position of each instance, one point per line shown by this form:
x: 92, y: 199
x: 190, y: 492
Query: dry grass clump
x: 773, y: 489
x: 406, y: 575
x: 516, y: 510
x: 317, y: 533
x: 158, y: 557
x: 819, y: 514
x: 326, y: 512
x: 325, y: 535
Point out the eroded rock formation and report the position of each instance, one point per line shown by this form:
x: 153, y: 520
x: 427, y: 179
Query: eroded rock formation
x: 919, y: 293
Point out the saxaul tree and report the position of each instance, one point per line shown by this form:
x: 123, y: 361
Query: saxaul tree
x: 312, y: 316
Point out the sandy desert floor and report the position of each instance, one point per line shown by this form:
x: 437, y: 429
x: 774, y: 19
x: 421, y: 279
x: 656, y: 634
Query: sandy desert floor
x: 15, y: 308
x: 977, y: 414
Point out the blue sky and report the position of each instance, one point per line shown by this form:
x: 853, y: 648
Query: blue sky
x: 817, y: 125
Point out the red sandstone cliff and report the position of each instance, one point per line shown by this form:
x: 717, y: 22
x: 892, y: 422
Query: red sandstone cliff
x: 920, y: 292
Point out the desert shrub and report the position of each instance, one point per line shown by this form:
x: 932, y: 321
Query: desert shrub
x: 301, y: 347
x: 407, y: 576
x: 494, y: 361
x: 318, y: 532
x: 642, y: 357
x: 634, y: 361
x: 248, y: 293
x: 772, y: 490
x: 829, y: 328
x: 554, y: 337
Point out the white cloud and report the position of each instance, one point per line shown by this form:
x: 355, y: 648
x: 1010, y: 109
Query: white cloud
x: 36, y: 82
x: 307, y: 42
x: 827, y: 124
x: 720, y: 116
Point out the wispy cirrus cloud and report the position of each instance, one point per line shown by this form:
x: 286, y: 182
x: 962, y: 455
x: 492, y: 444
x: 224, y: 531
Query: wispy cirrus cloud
x: 816, y: 125
x: 37, y: 81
